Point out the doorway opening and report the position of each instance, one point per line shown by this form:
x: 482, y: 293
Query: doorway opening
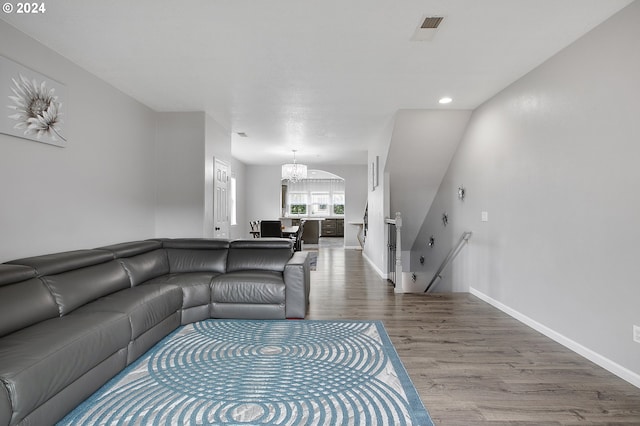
x: 318, y: 201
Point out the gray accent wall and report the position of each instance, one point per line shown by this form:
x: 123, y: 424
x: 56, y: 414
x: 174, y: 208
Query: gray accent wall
x: 262, y: 193
x: 553, y: 160
x: 422, y: 145
x: 186, y: 145
x: 99, y: 189
x: 180, y: 170
x: 127, y: 172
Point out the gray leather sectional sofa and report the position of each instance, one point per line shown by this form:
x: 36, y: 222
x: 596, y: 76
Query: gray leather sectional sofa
x: 70, y: 321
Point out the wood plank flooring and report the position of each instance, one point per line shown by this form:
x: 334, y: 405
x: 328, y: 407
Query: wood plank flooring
x: 471, y: 363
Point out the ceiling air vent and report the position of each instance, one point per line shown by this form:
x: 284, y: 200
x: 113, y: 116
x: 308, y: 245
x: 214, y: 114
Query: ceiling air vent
x: 431, y: 22
x: 427, y: 30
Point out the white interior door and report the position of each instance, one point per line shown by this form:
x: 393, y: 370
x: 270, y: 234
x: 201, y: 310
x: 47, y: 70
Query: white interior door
x: 221, y: 182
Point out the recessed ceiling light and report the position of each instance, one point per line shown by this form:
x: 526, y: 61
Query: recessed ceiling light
x: 445, y: 100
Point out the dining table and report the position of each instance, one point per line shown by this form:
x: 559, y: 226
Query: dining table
x: 288, y: 231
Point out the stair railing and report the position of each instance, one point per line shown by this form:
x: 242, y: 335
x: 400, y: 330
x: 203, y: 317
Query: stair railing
x: 394, y: 247
x: 447, y: 260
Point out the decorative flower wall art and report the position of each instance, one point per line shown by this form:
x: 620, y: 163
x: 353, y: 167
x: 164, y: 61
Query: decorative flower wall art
x: 31, y: 104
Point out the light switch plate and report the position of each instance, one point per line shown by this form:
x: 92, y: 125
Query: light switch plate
x: 636, y: 333
x: 485, y: 216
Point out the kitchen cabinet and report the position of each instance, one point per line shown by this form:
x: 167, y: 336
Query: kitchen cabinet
x: 332, y: 228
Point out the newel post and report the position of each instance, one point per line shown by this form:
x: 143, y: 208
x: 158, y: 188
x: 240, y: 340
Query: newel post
x: 399, y: 287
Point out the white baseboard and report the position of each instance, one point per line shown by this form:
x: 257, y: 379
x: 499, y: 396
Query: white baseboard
x: 352, y: 248
x: 374, y: 266
x: 592, y: 356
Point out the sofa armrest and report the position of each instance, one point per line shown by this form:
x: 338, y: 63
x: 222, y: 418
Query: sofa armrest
x: 297, y: 279
x: 5, y: 405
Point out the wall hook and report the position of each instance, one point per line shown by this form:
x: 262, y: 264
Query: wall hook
x: 461, y: 192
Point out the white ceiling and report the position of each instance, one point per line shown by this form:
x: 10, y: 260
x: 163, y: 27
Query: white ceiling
x: 323, y: 77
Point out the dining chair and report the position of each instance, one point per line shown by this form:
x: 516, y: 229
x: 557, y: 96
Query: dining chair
x: 270, y: 228
x: 254, y: 230
x: 298, y: 239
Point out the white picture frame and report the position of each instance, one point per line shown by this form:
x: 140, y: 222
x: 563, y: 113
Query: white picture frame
x: 32, y: 105
x: 374, y: 173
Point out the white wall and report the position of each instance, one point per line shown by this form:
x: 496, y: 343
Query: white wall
x: 553, y: 160
x: 355, y: 177
x: 239, y: 171
x: 375, y: 247
x: 422, y: 146
x: 186, y: 145
x: 99, y: 189
x: 356, y: 201
x: 217, y: 144
x: 262, y: 193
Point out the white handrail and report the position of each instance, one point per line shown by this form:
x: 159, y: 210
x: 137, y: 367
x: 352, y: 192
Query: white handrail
x: 398, y: 270
x: 447, y: 260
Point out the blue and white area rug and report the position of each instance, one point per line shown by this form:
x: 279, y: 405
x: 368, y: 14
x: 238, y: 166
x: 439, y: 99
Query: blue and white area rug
x: 220, y: 372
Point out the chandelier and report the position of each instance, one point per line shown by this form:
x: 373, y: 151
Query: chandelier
x: 294, y: 172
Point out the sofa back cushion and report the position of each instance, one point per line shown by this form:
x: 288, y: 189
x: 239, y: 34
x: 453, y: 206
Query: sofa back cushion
x: 78, y: 277
x: 24, y: 299
x: 75, y: 288
x: 11, y: 274
x: 259, y: 254
x: 146, y: 266
x: 132, y: 248
x: 50, y: 264
x: 196, y: 255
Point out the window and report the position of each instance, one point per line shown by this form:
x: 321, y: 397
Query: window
x: 319, y: 203
x: 233, y: 219
x: 315, y: 197
x: 298, y: 203
x: 338, y: 203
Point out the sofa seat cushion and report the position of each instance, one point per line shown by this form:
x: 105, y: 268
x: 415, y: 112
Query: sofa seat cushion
x: 252, y: 286
x: 196, y: 286
x: 146, y: 306
x: 39, y: 361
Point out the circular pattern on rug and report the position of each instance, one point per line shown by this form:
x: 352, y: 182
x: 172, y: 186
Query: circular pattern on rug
x: 254, y: 363
x: 262, y: 372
